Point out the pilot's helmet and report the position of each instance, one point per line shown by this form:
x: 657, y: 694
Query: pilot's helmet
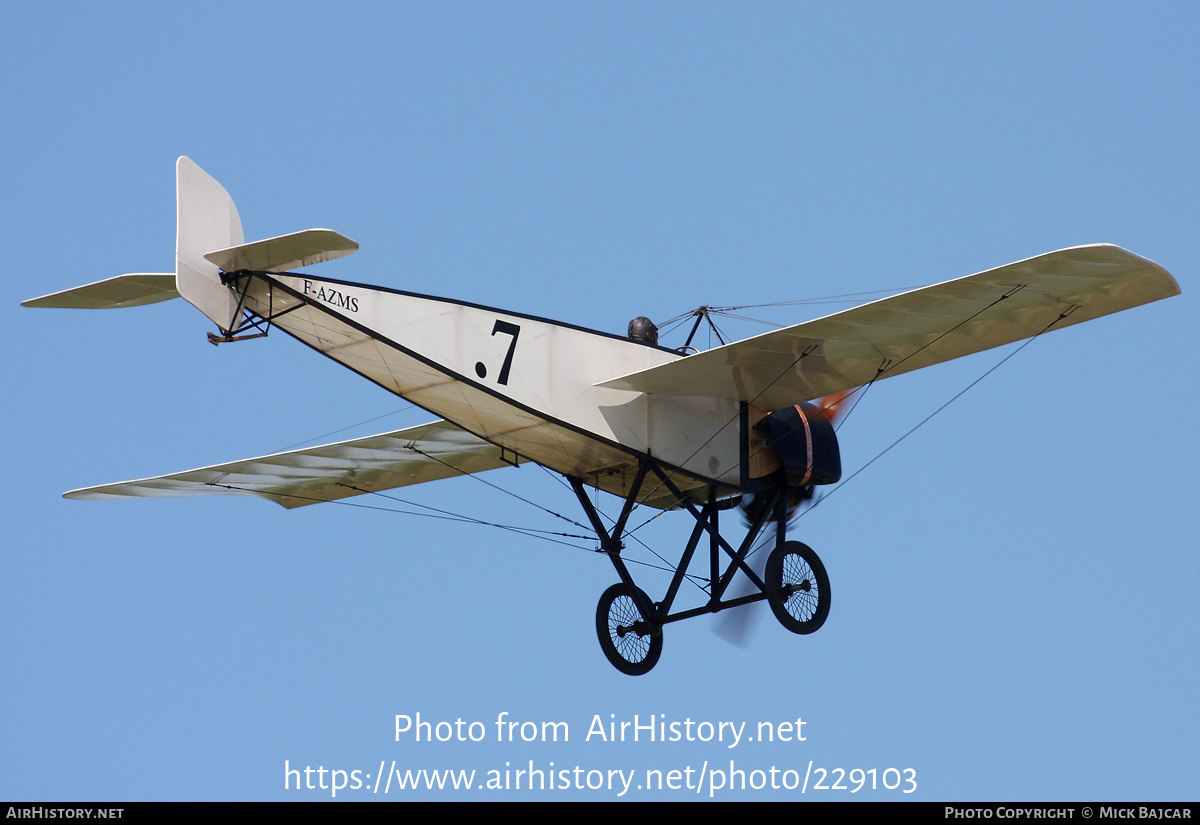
x: 643, y: 329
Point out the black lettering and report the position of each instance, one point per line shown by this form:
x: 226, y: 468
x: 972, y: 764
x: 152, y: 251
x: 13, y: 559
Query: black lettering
x: 331, y: 296
x: 507, y: 329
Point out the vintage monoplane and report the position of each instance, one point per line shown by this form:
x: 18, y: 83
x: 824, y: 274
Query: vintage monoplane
x: 747, y: 421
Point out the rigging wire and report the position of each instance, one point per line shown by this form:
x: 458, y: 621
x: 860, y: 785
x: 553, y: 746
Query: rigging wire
x: 405, y: 408
x: 859, y: 393
x: 750, y: 320
x: 666, y: 327
x: 647, y: 521
x: 497, y: 487
x: 844, y: 298
x: 923, y: 421
x: 546, y: 535
x: 441, y: 515
x: 885, y: 367
x: 629, y: 533
x: 459, y: 517
x: 720, y: 335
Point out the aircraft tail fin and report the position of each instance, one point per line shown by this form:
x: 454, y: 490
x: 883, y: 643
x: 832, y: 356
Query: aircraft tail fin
x: 208, y: 240
x: 206, y: 220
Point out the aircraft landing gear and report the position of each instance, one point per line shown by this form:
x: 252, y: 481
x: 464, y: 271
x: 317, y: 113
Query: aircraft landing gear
x: 631, y: 644
x: 629, y: 625
x: 797, y: 587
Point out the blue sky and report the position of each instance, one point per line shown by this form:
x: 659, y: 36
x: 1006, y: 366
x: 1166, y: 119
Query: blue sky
x: 1014, y: 611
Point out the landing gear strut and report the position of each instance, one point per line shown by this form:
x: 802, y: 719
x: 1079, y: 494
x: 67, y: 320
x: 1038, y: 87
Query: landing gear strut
x: 629, y: 625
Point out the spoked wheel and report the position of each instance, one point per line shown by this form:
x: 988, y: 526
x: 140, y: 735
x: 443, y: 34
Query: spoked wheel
x: 625, y: 636
x: 797, y: 587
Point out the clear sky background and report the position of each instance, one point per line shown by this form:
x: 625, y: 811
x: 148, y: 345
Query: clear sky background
x: 1014, y: 586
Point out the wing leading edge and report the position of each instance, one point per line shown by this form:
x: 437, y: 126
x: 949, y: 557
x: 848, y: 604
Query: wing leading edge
x: 329, y: 472
x: 915, y: 329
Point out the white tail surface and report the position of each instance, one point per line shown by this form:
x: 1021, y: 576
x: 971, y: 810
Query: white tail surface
x: 132, y: 290
x: 207, y: 220
x: 292, y: 251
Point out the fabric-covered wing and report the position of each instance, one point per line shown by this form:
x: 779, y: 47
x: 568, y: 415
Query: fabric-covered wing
x: 915, y: 329
x: 328, y: 472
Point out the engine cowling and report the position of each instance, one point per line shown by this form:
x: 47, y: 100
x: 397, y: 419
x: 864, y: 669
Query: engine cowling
x: 807, y: 444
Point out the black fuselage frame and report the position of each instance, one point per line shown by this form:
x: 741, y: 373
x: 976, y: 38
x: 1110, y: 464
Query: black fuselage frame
x: 707, y: 518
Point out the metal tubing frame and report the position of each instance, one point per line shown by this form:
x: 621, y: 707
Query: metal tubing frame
x: 707, y: 521
x: 252, y: 319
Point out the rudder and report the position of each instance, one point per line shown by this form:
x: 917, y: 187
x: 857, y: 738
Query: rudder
x: 206, y: 219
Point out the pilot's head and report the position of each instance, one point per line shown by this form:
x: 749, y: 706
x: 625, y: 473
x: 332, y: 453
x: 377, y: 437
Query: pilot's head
x: 643, y: 329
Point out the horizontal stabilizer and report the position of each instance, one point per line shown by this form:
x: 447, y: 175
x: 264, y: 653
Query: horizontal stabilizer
x: 312, y: 246
x: 329, y: 472
x: 913, y: 330
x: 122, y: 291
